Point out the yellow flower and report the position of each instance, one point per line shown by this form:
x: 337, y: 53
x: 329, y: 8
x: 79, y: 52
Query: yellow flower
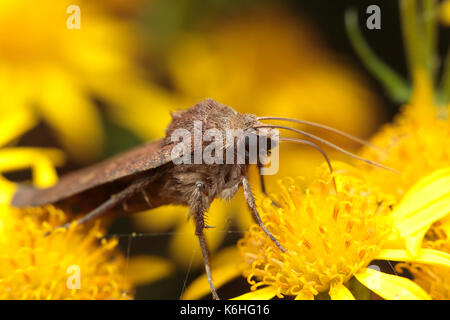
x: 263, y: 62
x: 269, y: 62
x: 435, y: 280
x: 422, y: 128
x: 34, y: 266
x: 65, y: 265
x: 323, y: 253
x: 415, y: 144
x: 328, y: 236
x: 49, y: 71
x: 331, y: 235
x: 42, y: 161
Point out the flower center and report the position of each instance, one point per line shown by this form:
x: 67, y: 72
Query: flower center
x: 328, y: 235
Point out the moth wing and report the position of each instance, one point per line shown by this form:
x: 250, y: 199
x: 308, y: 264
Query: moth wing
x: 137, y: 160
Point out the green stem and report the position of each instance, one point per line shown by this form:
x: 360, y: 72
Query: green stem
x: 445, y: 84
x: 393, y: 83
x: 411, y: 35
x: 431, y: 32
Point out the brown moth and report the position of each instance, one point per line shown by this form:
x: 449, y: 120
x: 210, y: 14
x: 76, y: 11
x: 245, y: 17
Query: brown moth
x: 147, y: 177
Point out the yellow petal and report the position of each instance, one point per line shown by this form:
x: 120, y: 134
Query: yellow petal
x: 69, y: 111
x: 429, y: 256
x: 14, y: 123
x: 106, y: 55
x: 340, y: 292
x: 22, y: 158
x: 160, y: 219
x: 42, y: 162
x: 44, y: 173
x: 444, y: 224
x: 426, y: 202
x: 238, y: 204
x: 425, y: 216
x: 266, y: 293
x: 134, y: 102
x: 221, y: 275
x: 7, y: 190
x: 194, y: 57
x: 391, y: 287
x: 413, y: 242
x: 225, y: 256
x: 145, y: 269
x: 184, y: 246
x: 428, y: 187
x: 304, y: 296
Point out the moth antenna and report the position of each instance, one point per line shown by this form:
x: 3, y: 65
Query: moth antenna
x: 322, y: 126
x: 312, y: 144
x: 326, y: 142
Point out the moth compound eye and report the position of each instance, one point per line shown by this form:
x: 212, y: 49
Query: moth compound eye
x: 272, y: 143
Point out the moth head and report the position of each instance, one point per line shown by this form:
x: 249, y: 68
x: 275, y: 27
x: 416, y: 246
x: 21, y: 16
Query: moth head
x: 220, y: 130
x: 209, y: 115
x: 264, y: 139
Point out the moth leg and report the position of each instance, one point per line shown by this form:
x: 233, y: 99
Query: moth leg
x: 198, y: 211
x: 261, y: 179
x: 113, y: 200
x: 263, y: 184
x: 252, y: 205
